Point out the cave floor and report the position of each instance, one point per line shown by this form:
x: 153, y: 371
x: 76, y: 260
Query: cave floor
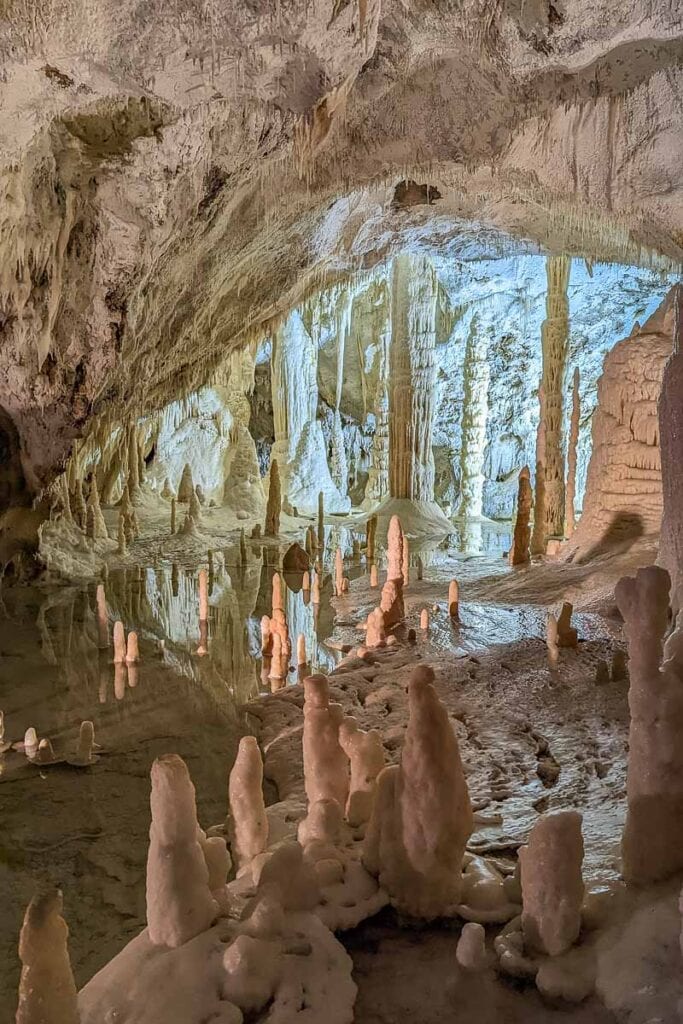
x: 531, y: 739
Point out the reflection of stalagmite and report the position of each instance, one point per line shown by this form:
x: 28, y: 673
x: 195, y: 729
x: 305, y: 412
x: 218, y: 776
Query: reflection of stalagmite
x: 119, y: 643
x: 47, y: 991
x: 652, y: 844
x: 519, y: 552
x: 366, y: 757
x: 248, y: 823
x: 567, y: 636
x: 102, y: 618
x: 476, y: 375
x: 272, y: 524
x: 412, y: 378
x: 422, y: 817
x: 315, y: 593
x: 552, y: 883
x: 326, y: 766
x: 86, y: 742
x: 179, y: 902
x: 570, y: 491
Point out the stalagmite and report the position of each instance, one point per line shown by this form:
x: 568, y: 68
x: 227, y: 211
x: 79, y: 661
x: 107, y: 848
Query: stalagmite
x: 278, y: 659
x: 405, y: 562
x: 370, y: 536
x: 412, y: 378
x: 377, y: 487
x: 338, y: 573
x: 78, y: 508
x: 366, y: 757
x: 186, y: 485
x: 30, y: 742
x: 173, y: 516
x: 195, y: 508
x: 375, y: 635
x: 310, y: 545
x: 306, y: 581
x: 422, y: 817
x: 567, y: 636
x: 122, y: 548
x: 539, y: 533
x: 86, y: 742
x: 392, y: 592
x: 132, y: 651
x: 326, y: 766
x: 97, y: 528
x: 554, y: 345
x: 102, y: 618
x: 374, y: 575
x: 119, y: 643
x: 552, y: 640
x: 552, y: 883
x: 315, y: 593
x: 652, y: 843
x: 519, y: 552
x: 570, y: 491
x: 424, y: 618
x: 244, y: 557
x: 321, y: 523
x: 248, y: 820
x: 420, y: 569
x: 266, y: 635
x: 133, y: 478
x: 671, y: 441
x: 47, y: 991
x: 301, y: 649
x: 179, y: 902
x: 454, y: 600
x: 476, y: 373
x: 203, y: 595
x: 471, y: 949
x: 166, y: 492
x: 272, y: 524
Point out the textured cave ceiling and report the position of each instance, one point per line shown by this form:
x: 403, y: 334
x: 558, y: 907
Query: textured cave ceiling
x: 176, y: 173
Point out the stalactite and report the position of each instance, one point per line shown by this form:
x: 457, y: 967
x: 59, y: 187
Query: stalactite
x: 554, y: 344
x: 476, y: 375
x: 412, y: 378
x: 570, y: 492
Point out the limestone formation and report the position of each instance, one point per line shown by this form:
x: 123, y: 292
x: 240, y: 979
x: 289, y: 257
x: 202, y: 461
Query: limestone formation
x: 186, y: 486
x: 248, y: 820
x: 338, y: 573
x: 422, y: 817
x: 539, y: 534
x: 244, y: 555
x: 326, y: 766
x: 375, y: 635
x: 166, y: 492
x: 203, y: 595
x: 374, y: 576
x: 366, y: 758
x: 567, y: 636
x: 412, y: 377
x: 552, y: 640
x: 122, y: 547
x: 47, y: 991
x: 454, y: 600
x: 405, y: 561
x: 652, y: 844
x: 377, y: 487
x: 471, y: 949
x: 195, y: 508
x: 272, y: 523
x: 299, y: 445
x: 623, y: 497
x: 552, y: 883
x: 424, y: 619
x: 179, y: 901
x: 554, y: 344
x: 370, y: 538
x: 96, y: 528
x: 321, y: 523
x: 519, y: 552
x: 301, y: 650
x: 119, y: 643
x: 132, y: 651
x: 671, y: 440
x: 392, y: 592
x: 78, y: 508
x: 102, y: 618
x: 476, y: 374
x: 173, y: 516
x: 570, y: 490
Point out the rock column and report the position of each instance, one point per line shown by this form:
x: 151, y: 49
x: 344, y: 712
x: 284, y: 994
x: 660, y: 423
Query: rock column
x: 377, y: 487
x: 475, y: 412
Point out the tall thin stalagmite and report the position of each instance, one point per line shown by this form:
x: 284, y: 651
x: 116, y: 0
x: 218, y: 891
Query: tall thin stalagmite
x: 570, y: 492
x: 519, y: 552
x: 554, y: 344
x: 476, y: 373
x: 412, y: 378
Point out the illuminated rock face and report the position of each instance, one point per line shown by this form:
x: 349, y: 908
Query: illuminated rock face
x: 299, y: 443
x: 623, y: 498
